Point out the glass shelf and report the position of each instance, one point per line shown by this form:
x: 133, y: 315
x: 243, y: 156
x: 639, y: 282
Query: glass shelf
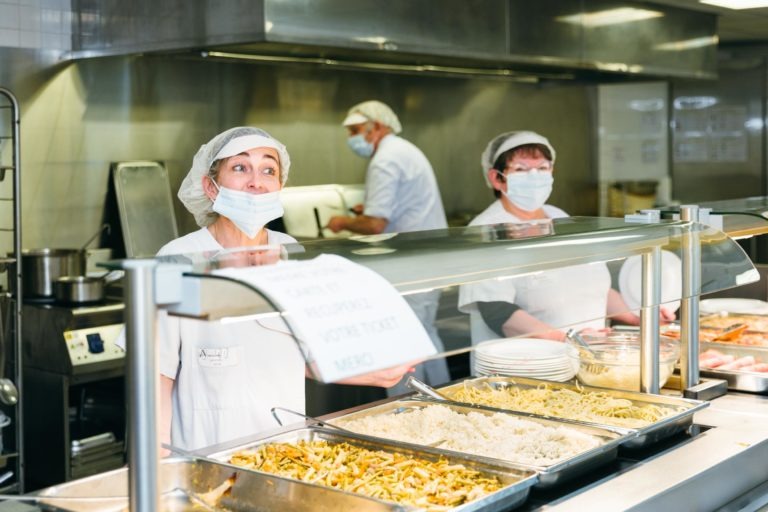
x: 434, y: 260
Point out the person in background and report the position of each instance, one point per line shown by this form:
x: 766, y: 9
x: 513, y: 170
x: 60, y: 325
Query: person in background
x: 520, y: 168
x: 220, y: 381
x: 401, y: 195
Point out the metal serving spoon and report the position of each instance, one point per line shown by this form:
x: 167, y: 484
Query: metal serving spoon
x: 571, y: 334
x: 425, y: 389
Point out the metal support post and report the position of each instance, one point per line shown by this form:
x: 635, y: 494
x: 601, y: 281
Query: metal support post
x: 143, y: 385
x: 689, y: 305
x: 649, y: 321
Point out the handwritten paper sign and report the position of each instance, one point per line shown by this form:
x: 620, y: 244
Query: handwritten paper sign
x: 350, y: 318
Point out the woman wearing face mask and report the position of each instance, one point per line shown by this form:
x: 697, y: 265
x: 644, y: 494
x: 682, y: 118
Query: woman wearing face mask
x: 520, y: 167
x: 220, y: 381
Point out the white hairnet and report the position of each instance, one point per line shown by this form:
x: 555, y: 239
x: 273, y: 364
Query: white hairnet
x: 373, y: 111
x: 228, y: 143
x: 505, y: 142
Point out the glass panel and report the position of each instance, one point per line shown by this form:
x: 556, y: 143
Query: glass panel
x: 465, y: 283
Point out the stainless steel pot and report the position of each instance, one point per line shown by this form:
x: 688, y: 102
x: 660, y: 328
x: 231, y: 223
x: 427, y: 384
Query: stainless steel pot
x: 83, y: 289
x: 41, y: 267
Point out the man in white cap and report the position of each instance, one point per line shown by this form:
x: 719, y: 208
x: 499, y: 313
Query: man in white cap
x: 519, y: 167
x: 401, y: 191
x: 401, y: 195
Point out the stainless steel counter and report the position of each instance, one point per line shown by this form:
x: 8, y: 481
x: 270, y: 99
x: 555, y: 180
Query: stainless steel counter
x: 720, y: 466
x: 707, y: 472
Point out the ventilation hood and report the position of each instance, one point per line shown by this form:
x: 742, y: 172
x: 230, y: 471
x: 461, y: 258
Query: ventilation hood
x: 507, y: 38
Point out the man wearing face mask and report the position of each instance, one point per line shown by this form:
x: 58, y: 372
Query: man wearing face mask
x: 401, y: 195
x: 401, y: 191
x: 520, y: 167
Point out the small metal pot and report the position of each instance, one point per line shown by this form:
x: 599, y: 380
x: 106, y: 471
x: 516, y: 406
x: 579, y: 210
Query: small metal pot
x: 82, y: 289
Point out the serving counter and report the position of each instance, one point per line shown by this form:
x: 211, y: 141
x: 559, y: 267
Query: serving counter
x: 416, y: 263
x: 718, y: 464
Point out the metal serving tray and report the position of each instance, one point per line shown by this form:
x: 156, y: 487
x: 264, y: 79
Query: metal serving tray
x: 706, y: 320
x: 549, y: 475
x: 182, y: 479
x: 645, y: 435
x: 754, y: 382
x: 517, y: 480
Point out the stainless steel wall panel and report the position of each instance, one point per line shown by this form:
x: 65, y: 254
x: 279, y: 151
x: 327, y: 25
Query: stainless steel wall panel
x: 469, y: 33
x: 677, y: 43
x: 535, y: 35
x: 449, y: 27
x: 718, y: 134
x: 116, y: 27
x: 87, y: 114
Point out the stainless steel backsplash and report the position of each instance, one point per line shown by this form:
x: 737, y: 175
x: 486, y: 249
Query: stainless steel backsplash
x: 77, y: 117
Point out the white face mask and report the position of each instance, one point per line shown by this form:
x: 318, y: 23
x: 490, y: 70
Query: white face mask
x: 529, y: 190
x: 249, y: 212
x: 360, y: 146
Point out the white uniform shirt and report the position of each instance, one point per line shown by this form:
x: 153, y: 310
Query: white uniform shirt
x: 227, y: 376
x: 400, y: 186
x: 559, y: 297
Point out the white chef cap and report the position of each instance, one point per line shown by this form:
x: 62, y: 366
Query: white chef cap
x: 373, y: 111
x: 229, y: 143
x: 511, y: 140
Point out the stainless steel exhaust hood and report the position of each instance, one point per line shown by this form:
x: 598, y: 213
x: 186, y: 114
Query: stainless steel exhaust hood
x: 508, y: 38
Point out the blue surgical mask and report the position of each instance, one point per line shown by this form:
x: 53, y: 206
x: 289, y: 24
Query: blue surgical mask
x: 529, y: 190
x: 360, y: 146
x: 249, y: 212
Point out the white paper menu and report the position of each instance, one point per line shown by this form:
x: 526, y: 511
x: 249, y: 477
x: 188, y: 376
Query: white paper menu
x: 350, y: 319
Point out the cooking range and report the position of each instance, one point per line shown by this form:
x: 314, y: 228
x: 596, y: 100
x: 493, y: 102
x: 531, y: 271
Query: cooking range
x: 74, y: 390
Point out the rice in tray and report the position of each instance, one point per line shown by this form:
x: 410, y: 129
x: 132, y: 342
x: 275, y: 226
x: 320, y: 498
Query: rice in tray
x: 593, y: 406
x: 498, y: 435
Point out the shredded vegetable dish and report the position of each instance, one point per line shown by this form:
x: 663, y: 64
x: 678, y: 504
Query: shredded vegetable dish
x: 596, y: 407
x: 387, y: 476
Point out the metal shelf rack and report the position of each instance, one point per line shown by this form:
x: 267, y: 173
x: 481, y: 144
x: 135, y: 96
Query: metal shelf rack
x: 10, y: 131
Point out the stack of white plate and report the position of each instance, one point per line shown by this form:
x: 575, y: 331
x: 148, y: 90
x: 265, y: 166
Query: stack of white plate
x: 525, y: 357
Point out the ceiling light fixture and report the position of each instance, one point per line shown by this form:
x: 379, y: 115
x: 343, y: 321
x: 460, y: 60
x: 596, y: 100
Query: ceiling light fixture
x: 694, y: 102
x: 609, y: 17
x: 736, y: 4
x: 688, y: 44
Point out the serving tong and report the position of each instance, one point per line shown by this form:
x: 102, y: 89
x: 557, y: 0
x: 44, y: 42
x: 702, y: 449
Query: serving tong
x: 731, y: 332
x: 307, y: 417
x: 592, y: 367
x: 573, y: 335
x: 422, y: 387
x: 425, y: 389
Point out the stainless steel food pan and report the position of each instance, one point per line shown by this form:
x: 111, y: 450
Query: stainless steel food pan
x: 517, y: 480
x: 739, y: 380
x: 183, y: 479
x: 549, y: 475
x: 681, y: 417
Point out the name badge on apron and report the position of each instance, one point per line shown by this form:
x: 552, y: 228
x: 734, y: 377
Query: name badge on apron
x: 218, y: 357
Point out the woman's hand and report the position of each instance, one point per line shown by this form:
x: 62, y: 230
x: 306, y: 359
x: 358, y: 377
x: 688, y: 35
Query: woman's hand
x: 382, y: 378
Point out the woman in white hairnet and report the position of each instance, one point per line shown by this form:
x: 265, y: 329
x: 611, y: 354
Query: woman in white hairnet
x: 220, y: 381
x: 520, y: 167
